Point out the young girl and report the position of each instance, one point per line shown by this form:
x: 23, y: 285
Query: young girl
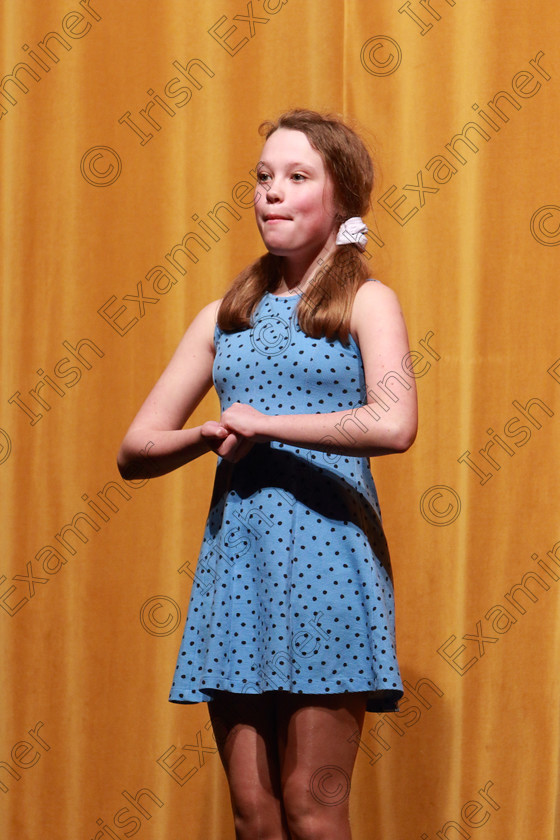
x: 290, y: 630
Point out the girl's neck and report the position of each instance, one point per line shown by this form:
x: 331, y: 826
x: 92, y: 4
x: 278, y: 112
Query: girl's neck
x: 296, y: 275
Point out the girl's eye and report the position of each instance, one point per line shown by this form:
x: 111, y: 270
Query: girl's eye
x: 297, y: 176
x: 263, y: 176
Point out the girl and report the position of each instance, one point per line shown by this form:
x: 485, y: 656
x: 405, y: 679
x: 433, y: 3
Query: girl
x: 290, y: 630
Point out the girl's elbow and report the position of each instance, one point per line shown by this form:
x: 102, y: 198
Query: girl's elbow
x: 123, y: 464
x: 404, y: 436
x: 133, y: 471
x: 126, y: 465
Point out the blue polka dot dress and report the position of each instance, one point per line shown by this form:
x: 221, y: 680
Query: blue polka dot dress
x: 293, y: 588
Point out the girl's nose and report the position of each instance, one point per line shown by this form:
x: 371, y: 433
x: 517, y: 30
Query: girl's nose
x: 273, y: 191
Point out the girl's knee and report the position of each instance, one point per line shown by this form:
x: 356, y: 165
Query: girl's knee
x: 308, y: 815
x: 262, y: 820
x: 257, y: 809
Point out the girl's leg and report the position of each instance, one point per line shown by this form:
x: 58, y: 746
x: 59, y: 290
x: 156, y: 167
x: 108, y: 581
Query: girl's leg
x: 317, y: 746
x: 247, y: 739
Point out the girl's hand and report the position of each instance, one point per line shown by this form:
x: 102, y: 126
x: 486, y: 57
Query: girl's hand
x: 213, y: 434
x: 226, y: 444
x: 234, y: 448
x: 246, y: 421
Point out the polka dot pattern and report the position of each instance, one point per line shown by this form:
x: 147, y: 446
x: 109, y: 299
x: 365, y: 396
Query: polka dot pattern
x: 293, y: 588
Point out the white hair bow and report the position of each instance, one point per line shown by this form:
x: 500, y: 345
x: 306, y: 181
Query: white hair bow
x: 353, y: 232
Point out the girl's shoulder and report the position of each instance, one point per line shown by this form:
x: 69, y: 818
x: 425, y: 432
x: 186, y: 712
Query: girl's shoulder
x: 373, y: 291
x: 375, y: 306
x: 213, y: 307
x: 208, y: 315
x: 202, y: 328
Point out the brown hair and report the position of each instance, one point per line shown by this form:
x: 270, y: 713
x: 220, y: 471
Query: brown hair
x: 324, y: 308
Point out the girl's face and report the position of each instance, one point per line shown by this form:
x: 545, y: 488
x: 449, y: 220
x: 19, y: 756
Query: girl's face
x: 294, y: 204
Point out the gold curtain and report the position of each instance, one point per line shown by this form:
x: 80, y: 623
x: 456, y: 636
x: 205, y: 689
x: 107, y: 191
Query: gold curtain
x: 128, y: 135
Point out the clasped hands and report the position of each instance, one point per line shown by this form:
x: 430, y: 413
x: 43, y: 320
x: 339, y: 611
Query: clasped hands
x: 239, y: 428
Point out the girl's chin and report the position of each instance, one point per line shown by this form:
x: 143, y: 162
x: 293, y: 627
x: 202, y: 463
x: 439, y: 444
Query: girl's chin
x: 277, y: 250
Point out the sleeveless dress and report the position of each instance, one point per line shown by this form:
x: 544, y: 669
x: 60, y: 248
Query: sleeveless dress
x: 293, y: 587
